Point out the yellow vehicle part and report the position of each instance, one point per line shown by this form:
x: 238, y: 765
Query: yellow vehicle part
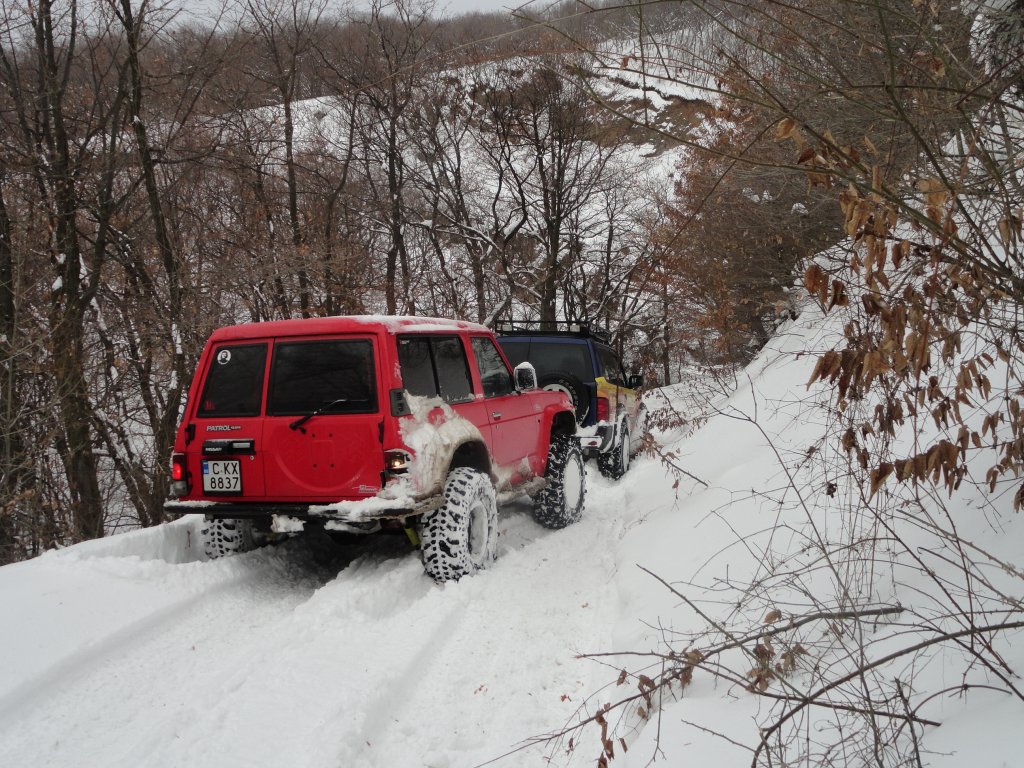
x: 624, y: 399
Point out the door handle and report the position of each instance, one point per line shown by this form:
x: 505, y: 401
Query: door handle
x: 496, y: 415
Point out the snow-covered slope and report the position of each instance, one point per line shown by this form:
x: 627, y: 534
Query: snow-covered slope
x: 132, y: 651
x: 780, y: 525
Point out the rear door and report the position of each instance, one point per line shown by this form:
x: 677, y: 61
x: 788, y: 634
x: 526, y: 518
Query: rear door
x: 625, y: 400
x: 437, y: 366
x: 226, y: 426
x: 322, y: 431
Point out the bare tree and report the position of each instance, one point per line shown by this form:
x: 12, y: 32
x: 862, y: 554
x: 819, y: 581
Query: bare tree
x: 288, y: 32
x: 386, y: 70
x: 68, y: 108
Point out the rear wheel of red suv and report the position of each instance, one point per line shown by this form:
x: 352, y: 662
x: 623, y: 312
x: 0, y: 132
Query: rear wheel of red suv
x: 228, y: 537
x: 461, y: 536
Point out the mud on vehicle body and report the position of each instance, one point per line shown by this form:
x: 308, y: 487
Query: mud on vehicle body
x: 366, y: 423
x: 576, y: 360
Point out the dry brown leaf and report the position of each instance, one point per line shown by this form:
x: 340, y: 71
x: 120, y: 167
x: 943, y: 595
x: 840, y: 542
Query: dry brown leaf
x: 878, y: 476
x: 785, y: 129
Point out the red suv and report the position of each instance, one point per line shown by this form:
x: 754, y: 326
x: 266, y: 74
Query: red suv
x: 367, y: 423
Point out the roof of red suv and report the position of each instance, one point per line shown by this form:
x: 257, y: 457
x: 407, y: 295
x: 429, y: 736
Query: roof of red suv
x: 344, y: 324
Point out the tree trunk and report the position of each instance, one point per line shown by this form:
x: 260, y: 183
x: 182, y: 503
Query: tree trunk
x: 11, y: 454
x: 151, y: 512
x: 71, y: 297
x: 298, y: 241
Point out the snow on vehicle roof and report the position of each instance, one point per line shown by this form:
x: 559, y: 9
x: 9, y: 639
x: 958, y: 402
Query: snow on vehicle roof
x: 313, y: 326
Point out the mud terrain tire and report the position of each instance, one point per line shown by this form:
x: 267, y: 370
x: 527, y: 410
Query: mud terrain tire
x: 561, y: 502
x: 227, y: 537
x: 615, y: 463
x: 461, y: 536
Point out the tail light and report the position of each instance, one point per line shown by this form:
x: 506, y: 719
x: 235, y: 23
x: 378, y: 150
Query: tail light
x: 602, y: 409
x: 396, y: 462
x: 179, y: 475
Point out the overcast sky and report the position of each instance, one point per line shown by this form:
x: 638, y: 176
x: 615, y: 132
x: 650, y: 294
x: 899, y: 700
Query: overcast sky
x: 444, y: 7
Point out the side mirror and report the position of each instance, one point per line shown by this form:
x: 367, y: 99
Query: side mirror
x: 525, y: 376
x: 635, y: 381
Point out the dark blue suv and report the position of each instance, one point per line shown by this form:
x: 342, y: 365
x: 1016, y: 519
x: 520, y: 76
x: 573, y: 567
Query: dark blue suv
x: 572, y: 358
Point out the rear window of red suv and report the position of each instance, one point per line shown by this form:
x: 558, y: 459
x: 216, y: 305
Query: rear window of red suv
x: 332, y: 376
x: 234, y: 382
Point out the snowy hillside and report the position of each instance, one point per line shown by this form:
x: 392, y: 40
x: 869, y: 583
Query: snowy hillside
x: 132, y: 651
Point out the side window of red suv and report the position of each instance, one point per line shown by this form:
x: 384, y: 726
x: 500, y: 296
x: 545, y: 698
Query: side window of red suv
x: 434, y: 365
x: 494, y: 373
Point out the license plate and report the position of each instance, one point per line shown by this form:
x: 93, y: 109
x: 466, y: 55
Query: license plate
x: 222, y: 476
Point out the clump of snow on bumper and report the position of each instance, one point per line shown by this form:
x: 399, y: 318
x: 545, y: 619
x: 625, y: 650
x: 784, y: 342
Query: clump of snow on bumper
x: 286, y: 524
x: 388, y: 500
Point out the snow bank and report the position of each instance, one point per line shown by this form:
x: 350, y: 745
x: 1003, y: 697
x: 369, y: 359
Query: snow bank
x: 763, y: 534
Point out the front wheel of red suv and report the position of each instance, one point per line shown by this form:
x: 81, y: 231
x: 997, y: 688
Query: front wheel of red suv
x: 561, y: 502
x: 461, y: 536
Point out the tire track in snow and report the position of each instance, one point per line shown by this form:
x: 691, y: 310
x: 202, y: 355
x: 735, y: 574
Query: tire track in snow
x: 391, y: 700
x: 374, y: 666
x: 509, y: 649
x: 257, y: 588
x: 27, y: 695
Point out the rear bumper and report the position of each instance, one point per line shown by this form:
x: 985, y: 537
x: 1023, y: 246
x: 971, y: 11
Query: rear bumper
x: 596, y: 440
x: 368, y: 510
x: 346, y: 512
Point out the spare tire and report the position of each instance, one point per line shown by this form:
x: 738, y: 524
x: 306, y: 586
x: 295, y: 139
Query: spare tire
x: 570, y: 385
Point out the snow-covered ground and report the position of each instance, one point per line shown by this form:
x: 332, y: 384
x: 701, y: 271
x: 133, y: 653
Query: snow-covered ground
x: 130, y: 651
x: 133, y: 651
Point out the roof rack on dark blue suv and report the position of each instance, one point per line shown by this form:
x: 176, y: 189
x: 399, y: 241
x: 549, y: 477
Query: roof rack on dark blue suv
x: 560, y: 327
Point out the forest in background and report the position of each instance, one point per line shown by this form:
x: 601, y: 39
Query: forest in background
x: 159, y: 179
